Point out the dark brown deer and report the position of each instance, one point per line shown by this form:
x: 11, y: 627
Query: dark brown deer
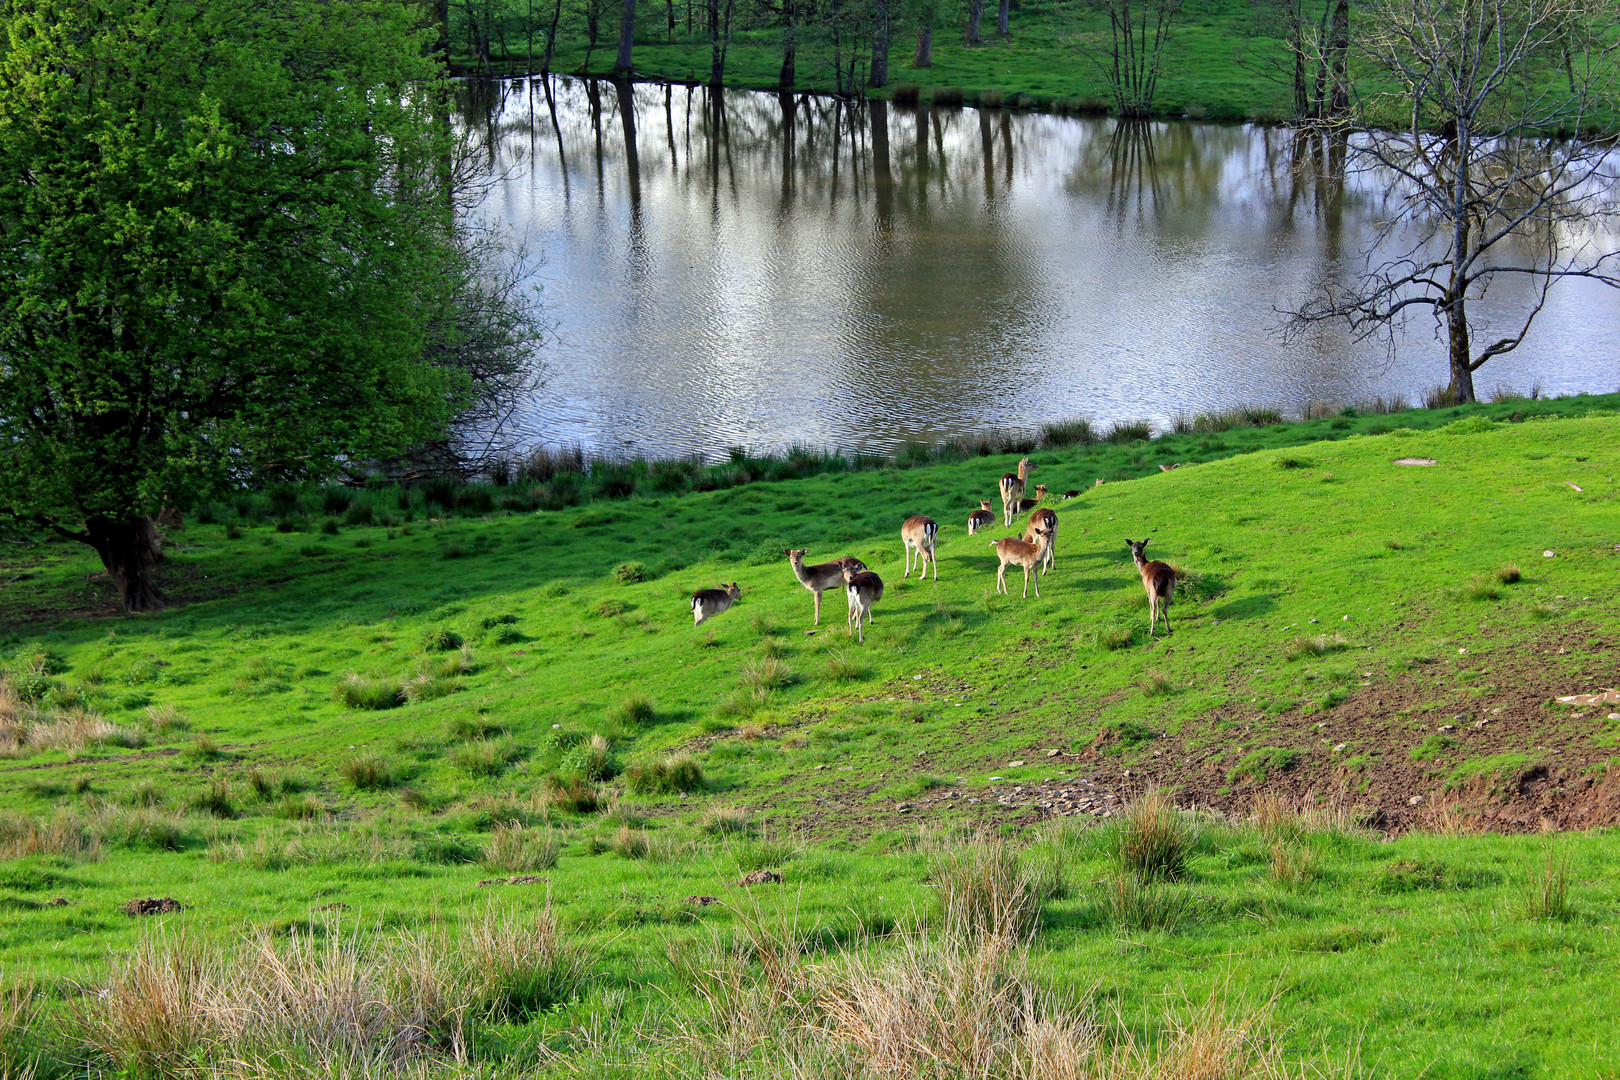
x: 865, y: 589
x: 707, y: 603
x: 1159, y: 579
x: 920, y: 534
x: 822, y: 576
x: 1024, y: 506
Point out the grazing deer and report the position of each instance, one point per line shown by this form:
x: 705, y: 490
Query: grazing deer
x: 865, y: 589
x: 1167, y: 468
x: 1071, y: 493
x: 1024, y: 506
x: 822, y: 576
x: 1160, y: 582
x: 920, y: 534
x: 1044, y: 521
x: 981, y: 517
x: 1012, y: 489
x: 1019, y: 553
x: 707, y: 603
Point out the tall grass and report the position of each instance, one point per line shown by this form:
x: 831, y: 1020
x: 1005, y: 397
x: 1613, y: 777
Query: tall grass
x: 1153, y: 839
x: 985, y: 891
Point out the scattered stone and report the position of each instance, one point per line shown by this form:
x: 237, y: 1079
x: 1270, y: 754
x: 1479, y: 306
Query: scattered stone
x: 902, y: 808
x: 702, y: 901
x: 1053, y: 753
x: 1448, y: 727
x: 761, y: 877
x: 1575, y: 486
x: 334, y: 906
x: 1547, y: 554
x: 1340, y: 748
x: 60, y: 901
x: 158, y: 905
x: 1414, y: 800
x: 524, y: 879
x: 998, y: 778
x: 1605, y: 698
x: 1416, y: 461
x: 1016, y: 764
x: 1614, y: 716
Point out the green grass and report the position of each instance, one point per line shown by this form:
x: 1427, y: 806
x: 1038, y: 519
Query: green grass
x: 258, y: 826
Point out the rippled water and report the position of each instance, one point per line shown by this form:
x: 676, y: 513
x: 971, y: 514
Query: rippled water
x: 745, y: 269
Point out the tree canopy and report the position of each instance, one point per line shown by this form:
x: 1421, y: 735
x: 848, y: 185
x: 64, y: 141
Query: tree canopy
x: 224, y: 231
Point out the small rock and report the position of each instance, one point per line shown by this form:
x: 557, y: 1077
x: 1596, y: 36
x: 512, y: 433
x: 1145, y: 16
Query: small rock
x: 903, y: 808
x: 761, y: 877
x: 821, y: 766
x: 160, y: 905
x: 1055, y: 753
x: 702, y: 901
x: 1015, y: 764
x: 1414, y: 800
x: 1448, y: 727
x: 1547, y: 554
x: 1614, y: 716
x: 1340, y: 748
x: 998, y: 778
x: 1347, y: 618
x: 1461, y: 652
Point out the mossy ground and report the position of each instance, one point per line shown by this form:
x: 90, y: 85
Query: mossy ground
x: 279, y: 800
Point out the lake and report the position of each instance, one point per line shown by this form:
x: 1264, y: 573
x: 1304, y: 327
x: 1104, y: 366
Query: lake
x: 739, y: 268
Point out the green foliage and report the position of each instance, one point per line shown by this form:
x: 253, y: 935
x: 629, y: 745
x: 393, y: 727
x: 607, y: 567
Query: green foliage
x: 672, y: 775
x: 370, y: 771
x: 1258, y: 764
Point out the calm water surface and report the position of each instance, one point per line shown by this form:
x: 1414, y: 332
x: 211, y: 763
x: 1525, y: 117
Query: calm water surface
x: 746, y: 269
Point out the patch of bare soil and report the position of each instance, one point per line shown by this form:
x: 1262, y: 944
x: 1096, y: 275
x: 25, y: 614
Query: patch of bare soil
x: 159, y: 905
x: 1495, y: 751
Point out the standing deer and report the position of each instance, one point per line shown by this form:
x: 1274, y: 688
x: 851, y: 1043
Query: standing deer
x: 980, y: 517
x: 1019, y: 553
x: 920, y: 534
x: 1012, y: 489
x: 1159, y: 579
x: 822, y: 576
x: 1044, y: 521
x: 865, y: 589
x: 1024, y: 506
x: 707, y: 603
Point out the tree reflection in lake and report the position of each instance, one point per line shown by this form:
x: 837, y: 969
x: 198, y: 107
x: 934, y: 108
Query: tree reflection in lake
x: 764, y: 269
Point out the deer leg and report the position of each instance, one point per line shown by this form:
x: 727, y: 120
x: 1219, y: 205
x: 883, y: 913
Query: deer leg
x: 818, y: 607
x: 933, y: 557
x: 1037, y: 577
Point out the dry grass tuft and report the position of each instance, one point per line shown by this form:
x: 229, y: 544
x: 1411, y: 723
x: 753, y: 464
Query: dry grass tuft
x: 1153, y: 839
x: 985, y: 892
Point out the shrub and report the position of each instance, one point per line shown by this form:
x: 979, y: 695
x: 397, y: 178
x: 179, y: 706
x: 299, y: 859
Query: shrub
x: 906, y: 93
x: 991, y: 99
x: 1509, y: 574
x: 1115, y: 637
x: 675, y: 774
x: 594, y: 759
x: 572, y: 792
x: 1316, y: 645
x: 1469, y: 425
x: 842, y: 668
x: 948, y: 96
x: 299, y: 808
x: 633, y: 711
x: 1482, y: 588
x: 1132, y: 431
x: 359, y: 692
x: 726, y: 821
x: 203, y: 748
x: 215, y: 799
x: 631, y: 843
x: 1157, y: 684
x: 163, y: 719
x: 440, y: 639
x: 1132, y: 903
x: 1256, y: 765
x: 765, y: 674
x: 485, y: 757
x: 370, y: 772
x: 1076, y: 432
x: 516, y: 849
x: 629, y: 573
x: 1546, y: 894
x: 359, y: 513
x: 984, y: 892
x: 1153, y: 839
x: 427, y: 687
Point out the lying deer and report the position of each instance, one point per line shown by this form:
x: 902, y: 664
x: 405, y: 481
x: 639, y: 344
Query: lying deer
x: 1024, y: 506
x: 920, y: 534
x: 1044, y: 521
x: 1016, y: 552
x: 822, y: 576
x: 1159, y: 579
x: 981, y: 517
x: 707, y: 603
x: 865, y: 589
x: 1012, y: 489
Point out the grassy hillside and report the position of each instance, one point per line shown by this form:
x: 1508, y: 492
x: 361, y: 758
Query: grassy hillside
x: 1362, y: 651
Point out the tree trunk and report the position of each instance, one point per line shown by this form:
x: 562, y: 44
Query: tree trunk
x: 790, y: 47
x: 924, y: 56
x: 1462, y: 373
x: 669, y: 33
x: 1339, y: 52
x: 975, y: 12
x: 551, y: 41
x: 627, y: 37
x: 1003, y: 25
x: 880, y: 44
x: 130, y: 549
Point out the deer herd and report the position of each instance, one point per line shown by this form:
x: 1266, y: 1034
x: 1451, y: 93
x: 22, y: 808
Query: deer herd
x: 1035, y: 554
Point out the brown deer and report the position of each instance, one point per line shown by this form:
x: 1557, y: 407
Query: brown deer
x: 865, y: 589
x: 1159, y: 579
x: 1016, y: 552
x: 1071, y: 493
x: 1044, y: 521
x: 1024, y: 506
x: 981, y: 517
x: 1012, y: 489
x: 920, y: 534
x: 707, y: 603
x: 822, y: 576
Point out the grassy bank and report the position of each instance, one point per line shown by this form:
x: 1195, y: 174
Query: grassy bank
x: 343, y: 730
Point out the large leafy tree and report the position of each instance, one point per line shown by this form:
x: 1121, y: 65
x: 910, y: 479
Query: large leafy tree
x: 223, y: 226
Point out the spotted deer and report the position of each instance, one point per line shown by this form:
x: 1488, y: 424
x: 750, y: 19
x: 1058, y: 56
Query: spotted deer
x: 1044, y: 521
x: 980, y: 518
x: 1012, y: 489
x: 864, y: 589
x: 1016, y: 552
x: 707, y: 603
x: 920, y: 534
x: 822, y: 576
x: 1159, y: 579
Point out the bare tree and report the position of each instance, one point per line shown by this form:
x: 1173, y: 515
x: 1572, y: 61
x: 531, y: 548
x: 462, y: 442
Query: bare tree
x: 1314, y: 54
x: 1141, y: 30
x: 1477, y: 187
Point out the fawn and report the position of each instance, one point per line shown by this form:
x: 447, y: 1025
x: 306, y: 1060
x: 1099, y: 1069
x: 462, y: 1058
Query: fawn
x: 1160, y: 582
x: 980, y: 517
x: 865, y: 589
